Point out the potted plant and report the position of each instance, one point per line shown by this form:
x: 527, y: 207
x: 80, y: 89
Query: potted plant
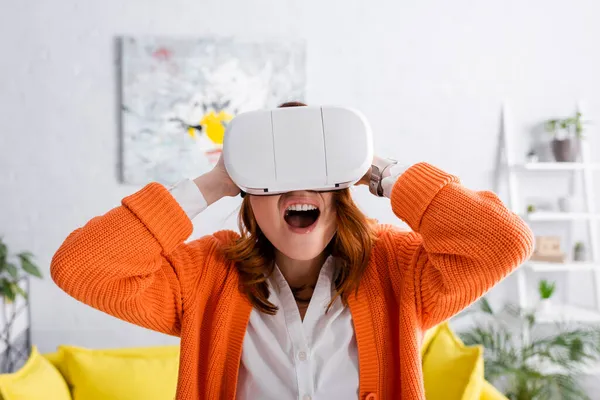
x: 525, y: 360
x: 530, y: 209
x: 12, y: 272
x: 546, y: 290
x: 567, y: 132
x: 579, y: 252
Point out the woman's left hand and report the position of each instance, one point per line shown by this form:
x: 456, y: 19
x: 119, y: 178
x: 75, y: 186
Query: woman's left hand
x: 367, y: 176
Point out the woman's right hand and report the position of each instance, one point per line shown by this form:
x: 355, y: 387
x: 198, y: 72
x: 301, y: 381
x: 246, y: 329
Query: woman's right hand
x: 217, y: 183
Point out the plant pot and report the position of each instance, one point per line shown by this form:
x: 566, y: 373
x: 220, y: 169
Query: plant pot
x: 579, y: 255
x: 565, y: 150
x: 545, y: 306
x: 566, y: 204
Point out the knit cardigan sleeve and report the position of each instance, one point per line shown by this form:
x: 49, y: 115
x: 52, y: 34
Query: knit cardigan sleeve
x: 463, y: 241
x: 123, y: 262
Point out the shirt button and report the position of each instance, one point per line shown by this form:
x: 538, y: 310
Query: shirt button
x: 302, y: 357
x: 306, y: 397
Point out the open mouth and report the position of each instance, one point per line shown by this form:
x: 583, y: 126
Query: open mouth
x: 301, y: 215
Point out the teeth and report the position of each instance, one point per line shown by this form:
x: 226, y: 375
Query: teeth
x: 301, y: 207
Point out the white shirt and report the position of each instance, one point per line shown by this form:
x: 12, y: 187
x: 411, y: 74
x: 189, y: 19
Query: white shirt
x: 284, y: 357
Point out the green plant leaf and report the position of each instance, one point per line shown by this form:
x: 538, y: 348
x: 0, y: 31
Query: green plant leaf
x: 7, y: 290
x: 576, y: 350
x: 3, y: 254
x: 521, y: 366
x: 514, y: 310
x: 20, y: 291
x: 12, y: 270
x: 546, y: 289
x: 551, y: 125
x: 563, y: 387
x: 485, y: 306
x: 28, y: 266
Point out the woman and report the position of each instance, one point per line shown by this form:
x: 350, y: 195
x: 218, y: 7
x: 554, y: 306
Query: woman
x: 312, y: 300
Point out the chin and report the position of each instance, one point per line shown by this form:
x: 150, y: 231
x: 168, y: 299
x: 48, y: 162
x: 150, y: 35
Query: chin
x: 302, y: 247
x: 301, y: 253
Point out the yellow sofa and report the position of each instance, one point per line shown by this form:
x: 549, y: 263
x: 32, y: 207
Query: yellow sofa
x: 451, y: 371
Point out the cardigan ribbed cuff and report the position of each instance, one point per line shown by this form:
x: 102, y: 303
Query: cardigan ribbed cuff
x: 161, y: 214
x: 415, y: 189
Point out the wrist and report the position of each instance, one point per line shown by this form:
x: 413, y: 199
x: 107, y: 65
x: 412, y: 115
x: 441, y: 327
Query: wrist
x: 380, y: 169
x: 213, y: 186
x: 386, y: 164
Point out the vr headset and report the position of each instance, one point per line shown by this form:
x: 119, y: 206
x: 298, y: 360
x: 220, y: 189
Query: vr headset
x: 297, y: 148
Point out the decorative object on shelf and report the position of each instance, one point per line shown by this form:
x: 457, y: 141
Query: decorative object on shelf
x: 530, y: 208
x: 545, y: 367
x: 565, y: 150
x: 579, y: 253
x: 567, y: 133
x: 547, y: 248
x: 532, y: 156
x: 13, y: 276
x: 546, y: 290
x: 566, y: 204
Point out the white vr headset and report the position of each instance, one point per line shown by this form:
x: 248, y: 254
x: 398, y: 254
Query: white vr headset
x: 297, y: 148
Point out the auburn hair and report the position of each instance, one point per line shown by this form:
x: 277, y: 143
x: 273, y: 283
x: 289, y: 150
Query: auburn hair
x: 254, y: 255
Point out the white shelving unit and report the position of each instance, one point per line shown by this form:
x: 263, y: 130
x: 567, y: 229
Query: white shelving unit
x: 561, y: 267
x: 567, y: 313
x: 554, y: 166
x: 559, y: 216
x: 514, y: 169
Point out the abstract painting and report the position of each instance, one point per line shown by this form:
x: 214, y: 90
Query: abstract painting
x: 179, y: 94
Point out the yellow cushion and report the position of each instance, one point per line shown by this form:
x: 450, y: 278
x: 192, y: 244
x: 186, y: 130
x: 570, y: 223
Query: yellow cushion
x: 451, y: 370
x: 427, y: 338
x: 54, y: 358
x: 36, y: 380
x: 121, y: 374
x: 489, y: 392
x: 57, y: 360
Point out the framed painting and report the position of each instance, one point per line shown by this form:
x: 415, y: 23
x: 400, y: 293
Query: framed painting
x: 178, y: 94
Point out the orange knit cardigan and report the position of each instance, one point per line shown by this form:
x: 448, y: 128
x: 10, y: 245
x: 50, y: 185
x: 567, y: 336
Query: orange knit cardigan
x: 133, y: 263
